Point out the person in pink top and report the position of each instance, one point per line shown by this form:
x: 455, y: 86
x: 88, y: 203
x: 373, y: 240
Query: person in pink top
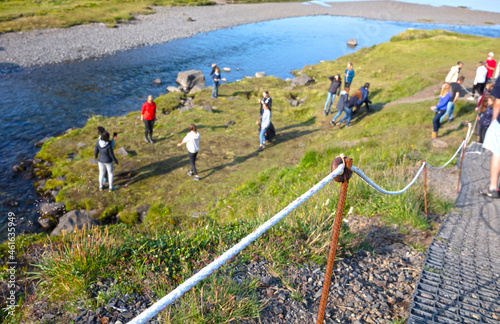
x: 491, y: 65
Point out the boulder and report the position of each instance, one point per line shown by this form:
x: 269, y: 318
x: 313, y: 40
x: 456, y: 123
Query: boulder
x: 302, y: 80
x: 75, y: 218
x: 352, y: 42
x: 195, y: 89
x: 294, y: 102
x: 173, y: 89
x: 81, y: 144
x: 439, y: 144
x: 186, y: 108
x: 188, y: 79
x: 37, y: 161
x: 260, y: 74
x: 54, y: 193
x: 46, y: 222
x: 122, y: 151
x: 52, y: 209
x: 17, y: 169
x: 226, y: 69
x: 207, y: 108
x: 143, y: 212
x: 41, y: 142
x: 157, y: 81
x: 223, y: 79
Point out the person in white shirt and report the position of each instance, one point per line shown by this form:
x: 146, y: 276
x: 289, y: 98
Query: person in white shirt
x: 264, y: 125
x: 454, y: 72
x: 480, y: 80
x: 192, y: 141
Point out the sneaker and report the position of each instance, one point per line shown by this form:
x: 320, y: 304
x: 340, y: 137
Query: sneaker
x: 112, y: 189
x: 146, y: 140
x: 450, y: 120
x: 151, y: 140
x: 489, y: 193
x: 325, y: 113
x: 196, y: 178
x: 333, y: 123
x: 471, y: 98
x: 260, y: 149
x: 189, y: 173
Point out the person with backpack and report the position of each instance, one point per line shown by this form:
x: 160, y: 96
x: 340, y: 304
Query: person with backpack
x: 148, y: 116
x: 264, y: 125
x: 333, y: 91
x: 104, y: 151
x: 216, y: 80
x: 192, y: 140
x: 343, y: 97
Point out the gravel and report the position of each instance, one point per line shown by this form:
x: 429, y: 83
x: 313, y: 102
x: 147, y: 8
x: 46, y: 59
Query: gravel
x: 50, y: 46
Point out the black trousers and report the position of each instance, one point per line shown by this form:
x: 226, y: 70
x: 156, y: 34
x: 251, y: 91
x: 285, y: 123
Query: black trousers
x: 436, y: 119
x: 482, y: 133
x: 192, y: 161
x: 149, y: 128
x: 479, y: 88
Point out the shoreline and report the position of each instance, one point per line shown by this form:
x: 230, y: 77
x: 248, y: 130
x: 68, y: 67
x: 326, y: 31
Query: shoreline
x: 54, y: 46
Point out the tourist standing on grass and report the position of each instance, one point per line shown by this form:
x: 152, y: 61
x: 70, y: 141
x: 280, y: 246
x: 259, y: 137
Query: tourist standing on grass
x: 333, y: 91
x: 485, y: 119
x: 192, y: 141
x: 440, y: 108
x: 491, y: 64
x: 348, y: 75
x: 364, y: 98
x: 349, y: 106
x: 104, y: 151
x: 492, y: 143
x: 148, y: 116
x: 479, y: 80
x: 264, y: 125
x: 343, y: 97
x: 216, y: 81
x: 454, y: 72
x: 265, y: 101
x: 455, y: 93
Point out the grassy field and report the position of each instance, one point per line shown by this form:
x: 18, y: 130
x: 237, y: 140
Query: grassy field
x: 241, y: 188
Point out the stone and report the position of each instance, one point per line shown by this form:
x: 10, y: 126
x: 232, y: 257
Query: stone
x: 17, y: 169
x: 260, y: 74
x: 37, y: 161
x: 66, y: 132
x: 54, y: 193
x: 184, y: 109
x: 207, y: 108
x: 75, y: 218
x: 318, y: 293
x: 198, y: 214
x: 188, y: 79
x: 122, y: 151
x: 229, y: 123
x: 439, y: 143
x: 61, y: 178
x: 52, y: 209
x: 352, y: 42
x: 11, y: 203
x: 81, y: 144
x: 288, y: 80
x: 294, y: 102
x: 157, y: 81
x: 47, y: 222
x: 41, y: 142
x: 49, y: 317
x: 223, y: 79
x: 173, y: 89
x: 143, y: 212
x: 226, y: 69
x: 195, y: 89
x: 302, y: 80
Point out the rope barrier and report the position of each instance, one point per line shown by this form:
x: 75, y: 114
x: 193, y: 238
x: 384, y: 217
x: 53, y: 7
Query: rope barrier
x: 376, y: 187
x: 463, y: 144
x: 157, y: 307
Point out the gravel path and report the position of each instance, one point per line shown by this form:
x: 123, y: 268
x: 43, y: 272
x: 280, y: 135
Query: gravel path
x: 81, y: 42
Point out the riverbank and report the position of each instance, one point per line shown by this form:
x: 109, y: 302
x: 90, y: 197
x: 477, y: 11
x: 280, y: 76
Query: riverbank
x: 52, y: 46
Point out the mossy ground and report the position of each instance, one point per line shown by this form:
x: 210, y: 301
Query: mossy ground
x: 386, y: 144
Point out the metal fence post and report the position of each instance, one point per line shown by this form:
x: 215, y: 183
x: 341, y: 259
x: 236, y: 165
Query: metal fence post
x: 461, y: 163
x: 344, y: 178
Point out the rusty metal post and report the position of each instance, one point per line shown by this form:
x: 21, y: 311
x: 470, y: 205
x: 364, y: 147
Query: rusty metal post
x: 344, y: 178
x: 425, y: 187
x: 461, y: 163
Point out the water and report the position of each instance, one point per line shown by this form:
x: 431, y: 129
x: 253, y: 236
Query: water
x: 45, y: 101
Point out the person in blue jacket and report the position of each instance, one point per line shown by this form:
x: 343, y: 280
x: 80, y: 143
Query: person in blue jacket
x: 348, y: 75
x: 349, y: 106
x: 440, y: 108
x: 216, y: 79
x: 364, y: 98
x: 333, y: 91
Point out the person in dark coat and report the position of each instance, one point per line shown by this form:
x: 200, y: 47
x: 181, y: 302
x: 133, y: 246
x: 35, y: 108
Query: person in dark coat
x: 364, y: 98
x: 266, y: 101
x: 333, y: 91
x: 349, y: 106
x: 104, y: 151
x: 485, y: 119
x: 343, y: 97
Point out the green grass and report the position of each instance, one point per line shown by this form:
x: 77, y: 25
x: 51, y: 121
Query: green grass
x: 240, y: 189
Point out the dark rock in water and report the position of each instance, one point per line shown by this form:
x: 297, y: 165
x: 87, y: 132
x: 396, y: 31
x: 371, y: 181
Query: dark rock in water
x: 27, y: 163
x: 41, y: 142
x: 143, y: 212
x: 122, y: 151
x: 302, y: 80
x: 52, y: 209
x: 17, y: 169
x: 188, y: 79
x: 75, y: 218
x: 47, y: 222
x: 157, y: 81
x: 11, y: 203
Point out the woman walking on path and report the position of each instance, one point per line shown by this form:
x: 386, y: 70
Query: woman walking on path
x: 333, y: 91
x: 148, y: 115
x: 264, y: 125
x: 348, y: 75
x: 192, y: 141
x: 343, y: 97
x: 485, y: 119
x: 104, y: 151
x: 216, y: 80
x: 440, y: 108
x: 349, y: 107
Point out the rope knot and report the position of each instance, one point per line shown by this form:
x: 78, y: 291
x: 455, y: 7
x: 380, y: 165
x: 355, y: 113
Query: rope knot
x: 346, y: 175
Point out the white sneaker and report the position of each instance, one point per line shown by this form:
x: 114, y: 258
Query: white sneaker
x: 471, y: 98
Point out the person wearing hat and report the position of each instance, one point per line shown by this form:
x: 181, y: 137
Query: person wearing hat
x: 491, y: 65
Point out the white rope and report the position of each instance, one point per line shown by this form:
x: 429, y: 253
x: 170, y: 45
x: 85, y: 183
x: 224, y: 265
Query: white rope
x: 376, y: 187
x: 157, y: 307
x: 462, y: 145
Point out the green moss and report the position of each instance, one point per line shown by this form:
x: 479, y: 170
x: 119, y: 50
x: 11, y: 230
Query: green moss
x: 129, y: 217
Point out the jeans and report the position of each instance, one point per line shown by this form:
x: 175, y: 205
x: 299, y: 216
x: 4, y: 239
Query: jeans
x: 348, y: 115
x: 215, y: 91
x: 149, y: 124
x: 103, y: 167
x: 262, y: 135
x: 192, y: 161
x: 436, y: 121
x: 329, y: 101
x: 449, y: 111
x: 337, y: 115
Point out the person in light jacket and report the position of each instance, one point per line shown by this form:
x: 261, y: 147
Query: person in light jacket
x: 264, y: 125
x: 192, y: 141
x: 104, y: 151
x: 452, y: 76
x: 333, y: 91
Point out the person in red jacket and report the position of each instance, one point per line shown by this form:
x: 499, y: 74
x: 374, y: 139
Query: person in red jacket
x: 491, y: 64
x: 148, y: 115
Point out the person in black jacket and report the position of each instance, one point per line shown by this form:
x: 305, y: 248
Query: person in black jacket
x: 333, y: 91
x: 349, y: 106
x: 104, y: 151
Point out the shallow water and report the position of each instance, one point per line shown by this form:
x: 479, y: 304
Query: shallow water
x: 45, y: 101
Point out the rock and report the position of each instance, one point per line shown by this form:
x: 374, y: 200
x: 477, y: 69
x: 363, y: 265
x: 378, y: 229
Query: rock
x: 92, y: 161
x: 122, y: 151
x: 184, y: 109
x: 173, y: 89
x: 47, y: 222
x: 26, y: 163
x: 223, y: 79
x: 195, y: 89
x: 41, y: 142
x: 288, y: 80
x: 54, y: 193
x: 188, y: 79
x: 17, y: 168
x: 143, y: 212
x: 190, y: 19
x: 303, y: 100
x: 289, y: 88
x: 61, y: 178
x: 207, y: 108
x: 66, y: 132
x: 302, y: 144
x: 260, y: 74
x: 318, y: 293
x: 439, y: 143
x: 48, y: 317
x: 302, y: 80
x: 81, y: 144
x: 226, y: 69
x: 294, y: 102
x: 11, y: 203
x: 75, y: 218
x: 157, y: 81
x: 198, y: 214
x: 229, y: 123
x: 37, y: 161
x: 352, y: 42
x: 52, y: 209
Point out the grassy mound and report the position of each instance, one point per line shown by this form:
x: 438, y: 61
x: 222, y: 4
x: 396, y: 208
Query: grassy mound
x: 241, y: 188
